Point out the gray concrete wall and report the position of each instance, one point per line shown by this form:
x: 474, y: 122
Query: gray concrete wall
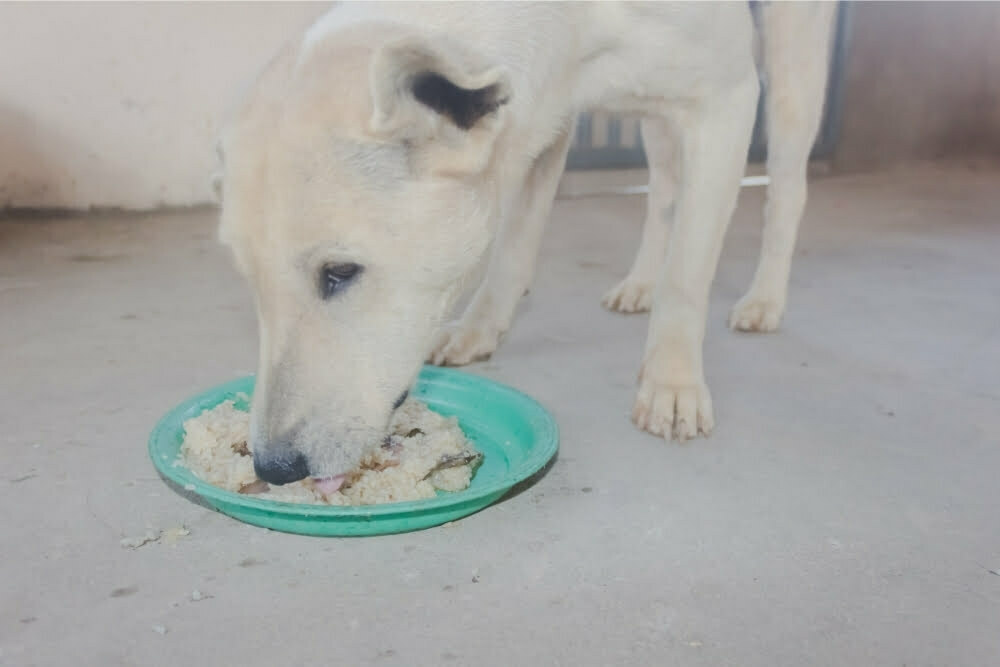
x: 922, y: 81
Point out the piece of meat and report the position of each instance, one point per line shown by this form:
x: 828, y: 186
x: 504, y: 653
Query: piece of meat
x: 454, y: 460
x: 378, y: 466
x: 256, y: 486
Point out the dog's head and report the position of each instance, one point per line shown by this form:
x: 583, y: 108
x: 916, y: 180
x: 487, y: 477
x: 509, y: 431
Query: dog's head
x: 357, y: 197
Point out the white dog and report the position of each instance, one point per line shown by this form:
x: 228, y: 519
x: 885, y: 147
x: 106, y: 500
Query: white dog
x: 382, y: 156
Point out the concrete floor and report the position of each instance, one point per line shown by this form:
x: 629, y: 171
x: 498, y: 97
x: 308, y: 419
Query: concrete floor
x: 846, y: 512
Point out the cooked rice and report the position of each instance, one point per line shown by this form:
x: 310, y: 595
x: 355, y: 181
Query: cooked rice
x: 216, y: 449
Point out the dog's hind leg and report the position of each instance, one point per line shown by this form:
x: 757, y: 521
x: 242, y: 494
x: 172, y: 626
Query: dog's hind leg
x: 796, y: 39
x: 714, y: 135
x: 512, y: 265
x: 634, y: 294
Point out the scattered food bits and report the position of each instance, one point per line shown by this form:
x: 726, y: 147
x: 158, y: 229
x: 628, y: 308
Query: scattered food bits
x: 168, y: 536
x: 241, y: 448
x: 172, y: 535
x: 136, y: 542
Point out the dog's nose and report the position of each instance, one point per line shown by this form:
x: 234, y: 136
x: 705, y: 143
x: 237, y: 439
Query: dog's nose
x: 281, y: 469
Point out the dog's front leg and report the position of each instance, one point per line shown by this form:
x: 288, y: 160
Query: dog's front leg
x: 673, y: 399
x: 796, y: 54
x: 511, y: 268
x: 634, y: 294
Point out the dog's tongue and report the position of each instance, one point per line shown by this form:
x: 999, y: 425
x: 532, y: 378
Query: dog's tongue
x: 329, y: 485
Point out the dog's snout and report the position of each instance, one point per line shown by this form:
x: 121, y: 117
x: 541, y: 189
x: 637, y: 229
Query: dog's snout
x: 284, y: 468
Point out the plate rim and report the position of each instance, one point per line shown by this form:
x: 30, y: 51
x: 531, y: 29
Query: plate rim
x: 541, y: 420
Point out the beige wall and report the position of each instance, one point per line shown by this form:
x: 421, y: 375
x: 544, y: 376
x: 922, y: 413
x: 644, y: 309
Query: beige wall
x: 117, y: 104
x: 922, y: 81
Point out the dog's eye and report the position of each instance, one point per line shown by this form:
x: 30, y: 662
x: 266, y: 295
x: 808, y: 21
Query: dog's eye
x: 334, y: 278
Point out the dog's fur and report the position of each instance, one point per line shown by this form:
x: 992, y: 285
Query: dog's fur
x: 414, y: 139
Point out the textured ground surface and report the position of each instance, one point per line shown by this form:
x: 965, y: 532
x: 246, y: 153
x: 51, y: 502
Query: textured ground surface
x: 844, y: 513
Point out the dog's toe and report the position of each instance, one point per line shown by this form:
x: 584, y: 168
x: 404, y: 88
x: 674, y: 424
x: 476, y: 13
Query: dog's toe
x: 458, y: 346
x: 680, y: 412
x: 629, y: 296
x: 756, y: 314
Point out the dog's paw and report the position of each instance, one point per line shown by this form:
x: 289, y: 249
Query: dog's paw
x: 752, y: 313
x: 678, y: 411
x: 458, y: 345
x: 629, y: 296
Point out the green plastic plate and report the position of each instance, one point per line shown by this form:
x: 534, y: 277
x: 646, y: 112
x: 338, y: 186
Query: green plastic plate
x: 516, y: 435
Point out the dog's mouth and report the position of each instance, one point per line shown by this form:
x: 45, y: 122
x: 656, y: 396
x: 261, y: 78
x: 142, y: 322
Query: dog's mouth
x: 329, y: 485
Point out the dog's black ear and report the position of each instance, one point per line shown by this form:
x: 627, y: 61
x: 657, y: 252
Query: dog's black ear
x: 464, y: 107
x: 417, y: 83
